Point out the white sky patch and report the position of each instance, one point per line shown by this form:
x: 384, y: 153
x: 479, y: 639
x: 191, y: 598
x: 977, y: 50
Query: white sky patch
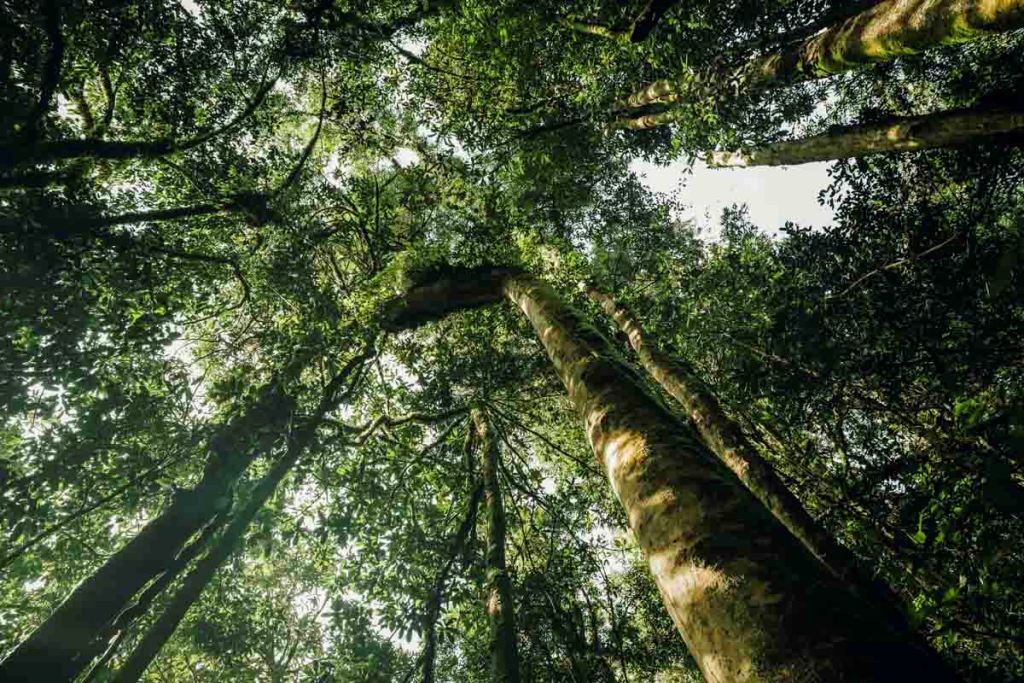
x: 406, y: 157
x: 337, y: 170
x: 191, y: 7
x: 416, y: 46
x: 773, y: 194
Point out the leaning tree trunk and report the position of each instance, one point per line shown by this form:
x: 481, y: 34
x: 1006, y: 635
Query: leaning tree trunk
x: 945, y: 129
x: 726, y: 439
x: 59, y: 648
x: 750, y: 601
x: 115, y: 633
x: 500, y: 606
x: 196, y: 581
x: 890, y: 29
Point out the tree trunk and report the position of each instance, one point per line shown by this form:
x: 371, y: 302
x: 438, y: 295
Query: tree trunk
x: 58, y: 649
x: 500, y: 606
x: 881, y: 33
x: 750, y: 601
x: 945, y: 129
x: 122, y: 625
x: 197, y: 580
x: 725, y: 438
x: 436, y: 599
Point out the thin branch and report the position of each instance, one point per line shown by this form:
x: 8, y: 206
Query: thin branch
x: 898, y: 264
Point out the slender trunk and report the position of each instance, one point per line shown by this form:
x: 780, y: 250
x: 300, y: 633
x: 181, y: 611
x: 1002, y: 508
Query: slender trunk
x: 197, y: 580
x: 51, y: 11
x: 122, y: 625
x: 436, y: 599
x: 725, y: 438
x: 749, y: 600
x: 945, y: 129
x: 35, y: 179
x: 500, y: 606
x: 159, y: 215
x: 881, y: 33
x: 58, y: 649
x: 61, y: 223
x: 648, y: 19
x: 595, y: 29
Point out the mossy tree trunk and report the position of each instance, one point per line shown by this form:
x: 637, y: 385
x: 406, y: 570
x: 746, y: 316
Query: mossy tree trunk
x: 946, y: 129
x: 500, y: 605
x: 748, y: 598
x: 725, y: 438
x: 881, y: 33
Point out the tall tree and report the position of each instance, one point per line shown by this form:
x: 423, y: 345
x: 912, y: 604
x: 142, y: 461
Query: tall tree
x: 500, y: 602
x: 750, y: 601
x: 882, y: 32
x: 61, y: 646
x: 298, y: 441
x: 907, y: 134
x: 725, y: 438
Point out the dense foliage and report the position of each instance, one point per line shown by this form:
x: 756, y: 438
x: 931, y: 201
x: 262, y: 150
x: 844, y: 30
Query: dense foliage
x: 207, y: 208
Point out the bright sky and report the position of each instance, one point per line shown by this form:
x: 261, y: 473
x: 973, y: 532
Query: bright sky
x: 773, y: 194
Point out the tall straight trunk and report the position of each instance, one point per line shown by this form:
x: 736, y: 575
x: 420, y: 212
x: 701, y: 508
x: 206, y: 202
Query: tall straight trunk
x: 500, y: 606
x: 436, y: 599
x: 748, y: 598
x: 881, y: 33
x: 59, y: 648
x: 197, y: 580
x: 945, y: 129
x: 725, y: 438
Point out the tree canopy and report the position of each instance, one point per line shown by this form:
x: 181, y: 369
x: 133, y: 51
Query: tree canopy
x: 301, y: 304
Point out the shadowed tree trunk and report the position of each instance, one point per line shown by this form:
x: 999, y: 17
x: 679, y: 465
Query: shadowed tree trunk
x: 881, y: 33
x: 59, y: 648
x: 117, y: 631
x: 54, y: 651
x: 500, y: 606
x: 196, y: 581
x: 436, y: 599
x: 749, y: 600
x: 724, y: 437
x: 946, y: 129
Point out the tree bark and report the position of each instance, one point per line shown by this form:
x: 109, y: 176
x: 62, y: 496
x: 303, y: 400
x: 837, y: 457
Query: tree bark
x: 500, y: 605
x: 881, y: 33
x: 750, y: 601
x: 115, y: 634
x: 58, y: 649
x: 436, y: 599
x: 725, y: 438
x: 196, y: 581
x: 945, y: 129
x: 447, y: 291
